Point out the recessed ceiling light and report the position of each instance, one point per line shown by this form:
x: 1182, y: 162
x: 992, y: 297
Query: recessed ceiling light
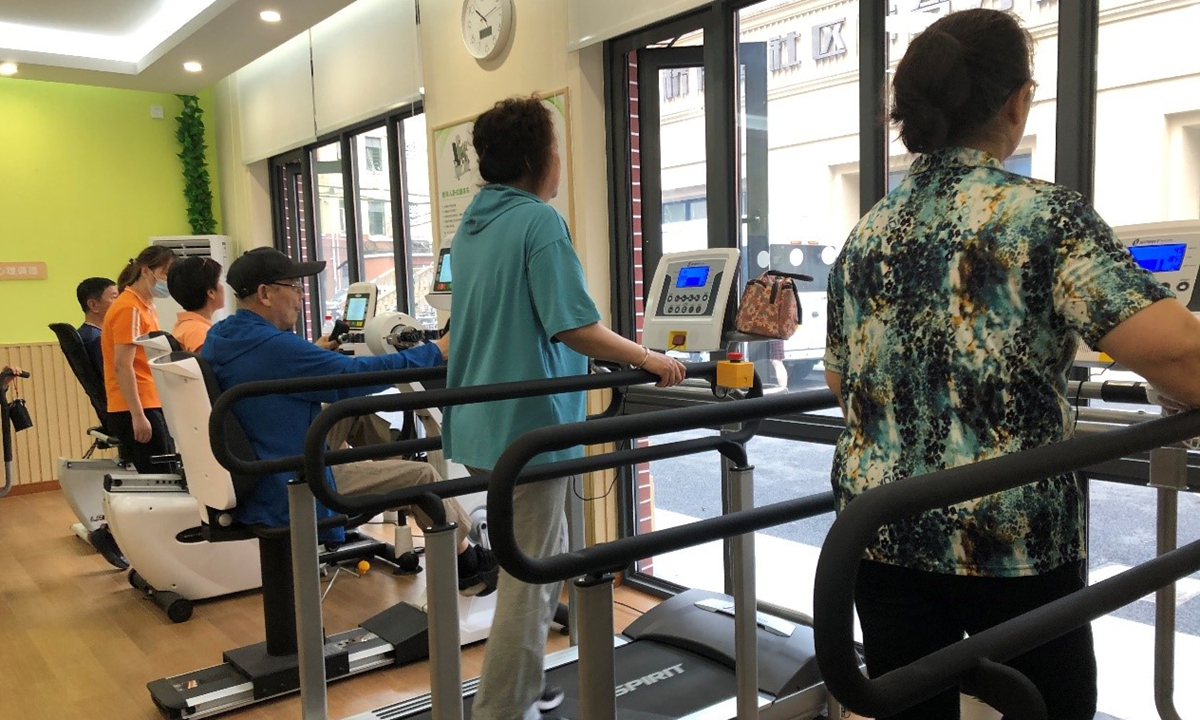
x: 8, y: 68
x: 192, y: 66
x: 270, y: 16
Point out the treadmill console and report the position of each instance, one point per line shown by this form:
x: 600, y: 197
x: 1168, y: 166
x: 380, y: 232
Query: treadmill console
x: 1169, y: 250
x: 359, y: 307
x: 686, y: 307
x: 439, y: 297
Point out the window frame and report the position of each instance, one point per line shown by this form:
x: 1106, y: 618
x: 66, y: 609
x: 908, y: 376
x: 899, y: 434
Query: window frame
x: 1078, y: 30
x: 352, y: 201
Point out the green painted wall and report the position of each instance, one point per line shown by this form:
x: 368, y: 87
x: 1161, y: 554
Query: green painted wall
x: 86, y: 178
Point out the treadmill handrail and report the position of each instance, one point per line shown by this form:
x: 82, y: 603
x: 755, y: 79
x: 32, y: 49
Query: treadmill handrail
x: 858, y: 524
x: 615, y: 555
x: 316, y: 456
x: 444, y: 397
x: 1115, y: 391
x: 224, y: 403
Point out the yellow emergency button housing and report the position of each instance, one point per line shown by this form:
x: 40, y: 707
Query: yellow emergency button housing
x: 735, y: 373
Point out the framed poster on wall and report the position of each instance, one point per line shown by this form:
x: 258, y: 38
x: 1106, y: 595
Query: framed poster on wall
x: 456, y: 176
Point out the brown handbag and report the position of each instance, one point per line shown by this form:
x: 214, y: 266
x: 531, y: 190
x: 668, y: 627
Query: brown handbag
x: 770, y: 305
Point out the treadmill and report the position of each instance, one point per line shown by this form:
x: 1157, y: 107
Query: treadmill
x: 693, y: 656
x: 682, y: 658
x: 678, y: 661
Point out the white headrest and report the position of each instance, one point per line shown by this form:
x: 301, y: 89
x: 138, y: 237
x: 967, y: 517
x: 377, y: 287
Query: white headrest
x: 155, y: 347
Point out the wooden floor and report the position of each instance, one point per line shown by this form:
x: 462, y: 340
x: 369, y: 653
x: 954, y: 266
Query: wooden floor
x: 76, y: 641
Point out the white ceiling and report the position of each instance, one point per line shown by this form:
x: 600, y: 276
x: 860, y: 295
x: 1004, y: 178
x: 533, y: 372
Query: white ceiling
x: 142, y: 44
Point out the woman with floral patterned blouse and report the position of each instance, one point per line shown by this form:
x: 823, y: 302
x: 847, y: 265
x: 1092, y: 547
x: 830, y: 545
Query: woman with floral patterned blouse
x: 954, y: 314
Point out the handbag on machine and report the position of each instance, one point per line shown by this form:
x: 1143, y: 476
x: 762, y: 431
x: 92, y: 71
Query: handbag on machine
x: 770, y: 305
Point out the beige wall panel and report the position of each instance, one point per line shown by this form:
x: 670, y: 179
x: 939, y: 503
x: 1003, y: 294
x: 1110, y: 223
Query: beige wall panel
x: 60, y: 410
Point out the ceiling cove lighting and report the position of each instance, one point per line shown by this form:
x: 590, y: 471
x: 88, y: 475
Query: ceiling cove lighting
x: 165, y: 21
x: 271, y: 16
x: 8, y: 68
x: 192, y: 66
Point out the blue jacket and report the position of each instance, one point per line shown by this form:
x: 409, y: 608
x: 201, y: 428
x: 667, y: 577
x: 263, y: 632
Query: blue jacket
x: 245, y: 347
x: 90, y: 335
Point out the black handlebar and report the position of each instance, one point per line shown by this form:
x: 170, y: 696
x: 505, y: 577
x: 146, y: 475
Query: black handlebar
x: 972, y: 659
x: 1118, y: 391
x: 225, y: 402
x: 316, y: 457
x: 511, y: 471
x: 8, y: 372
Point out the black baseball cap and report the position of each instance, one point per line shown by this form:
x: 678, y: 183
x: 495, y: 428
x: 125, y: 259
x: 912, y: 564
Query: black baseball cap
x: 263, y: 266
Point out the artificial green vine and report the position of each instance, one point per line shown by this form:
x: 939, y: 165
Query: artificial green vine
x: 196, y: 184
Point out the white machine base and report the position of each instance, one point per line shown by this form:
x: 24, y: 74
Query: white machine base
x: 82, y: 483
x: 148, y: 524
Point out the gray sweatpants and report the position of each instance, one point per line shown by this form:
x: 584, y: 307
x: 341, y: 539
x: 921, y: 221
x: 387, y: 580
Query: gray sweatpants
x: 381, y: 476
x: 513, y: 672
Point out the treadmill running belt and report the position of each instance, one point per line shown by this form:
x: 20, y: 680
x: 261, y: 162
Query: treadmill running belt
x: 654, y: 682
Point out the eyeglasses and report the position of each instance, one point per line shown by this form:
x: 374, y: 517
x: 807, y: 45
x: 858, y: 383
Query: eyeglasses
x: 298, y: 287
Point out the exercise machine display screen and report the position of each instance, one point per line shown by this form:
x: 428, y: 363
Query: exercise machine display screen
x: 442, y: 282
x: 693, y: 277
x: 1160, y: 258
x: 356, y: 310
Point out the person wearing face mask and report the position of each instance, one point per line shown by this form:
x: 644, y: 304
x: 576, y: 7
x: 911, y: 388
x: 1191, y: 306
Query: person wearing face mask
x: 133, y: 404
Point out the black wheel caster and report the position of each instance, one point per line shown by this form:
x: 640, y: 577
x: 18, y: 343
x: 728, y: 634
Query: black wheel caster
x: 180, y: 610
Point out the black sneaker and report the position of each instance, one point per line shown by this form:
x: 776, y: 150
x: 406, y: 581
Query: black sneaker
x: 552, y: 697
x: 477, y: 572
x: 105, y: 544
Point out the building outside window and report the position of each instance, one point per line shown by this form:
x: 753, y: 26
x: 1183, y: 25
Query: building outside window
x: 374, y: 154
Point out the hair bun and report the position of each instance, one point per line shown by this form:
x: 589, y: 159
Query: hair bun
x: 956, y: 75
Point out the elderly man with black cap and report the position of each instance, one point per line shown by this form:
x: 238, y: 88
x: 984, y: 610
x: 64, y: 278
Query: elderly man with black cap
x: 258, y: 343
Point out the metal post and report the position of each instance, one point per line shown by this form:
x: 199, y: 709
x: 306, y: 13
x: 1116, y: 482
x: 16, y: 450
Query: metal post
x: 745, y: 605
x: 1168, y: 473
x: 728, y: 505
x: 310, y: 627
x: 575, y: 541
x: 597, y: 662
x: 441, y: 605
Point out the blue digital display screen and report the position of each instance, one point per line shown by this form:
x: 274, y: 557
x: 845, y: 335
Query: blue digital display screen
x: 442, y: 282
x: 689, y: 277
x: 1159, y: 258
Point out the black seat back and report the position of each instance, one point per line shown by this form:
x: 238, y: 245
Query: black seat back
x: 81, y: 364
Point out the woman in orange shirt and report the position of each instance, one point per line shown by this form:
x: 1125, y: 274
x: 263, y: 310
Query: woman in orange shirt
x: 133, y: 405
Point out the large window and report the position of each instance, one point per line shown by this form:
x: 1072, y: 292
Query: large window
x: 757, y: 125
x: 331, y: 239
x: 368, y: 216
x: 418, y: 214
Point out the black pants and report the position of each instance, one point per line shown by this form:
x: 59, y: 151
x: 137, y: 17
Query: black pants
x: 908, y: 614
x: 121, y: 424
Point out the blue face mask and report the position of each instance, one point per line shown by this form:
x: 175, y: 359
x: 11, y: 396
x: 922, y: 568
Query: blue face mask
x: 160, y: 289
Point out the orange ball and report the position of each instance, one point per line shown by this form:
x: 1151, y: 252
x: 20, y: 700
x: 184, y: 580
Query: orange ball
x: 363, y: 567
